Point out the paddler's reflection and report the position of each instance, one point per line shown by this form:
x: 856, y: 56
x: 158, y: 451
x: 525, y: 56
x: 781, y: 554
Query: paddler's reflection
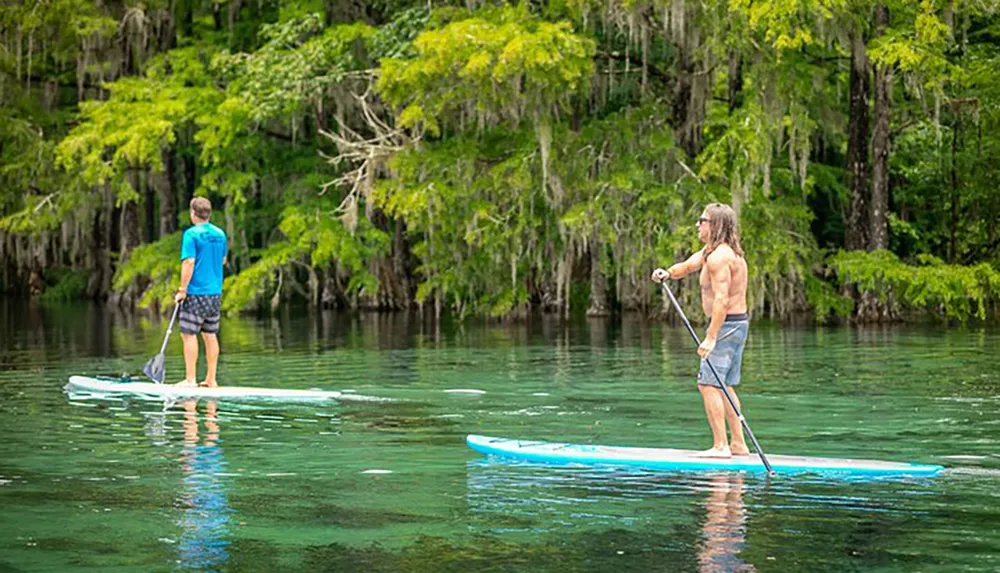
x: 724, y: 531
x: 202, y: 496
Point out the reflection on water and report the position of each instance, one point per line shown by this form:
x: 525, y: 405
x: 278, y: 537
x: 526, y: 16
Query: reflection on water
x: 204, y: 540
x: 510, y: 498
x: 724, y: 529
x: 108, y: 485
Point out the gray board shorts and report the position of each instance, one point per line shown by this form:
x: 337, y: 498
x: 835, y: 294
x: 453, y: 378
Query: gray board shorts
x: 727, y: 356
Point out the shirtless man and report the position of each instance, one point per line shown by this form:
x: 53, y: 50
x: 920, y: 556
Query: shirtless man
x: 724, y: 299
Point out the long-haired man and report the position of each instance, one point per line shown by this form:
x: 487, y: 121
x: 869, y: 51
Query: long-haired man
x: 723, y: 284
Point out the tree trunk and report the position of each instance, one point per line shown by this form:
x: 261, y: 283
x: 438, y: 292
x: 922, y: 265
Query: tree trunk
x: 129, y: 230
x: 685, y: 107
x: 953, y: 239
x: 148, y: 194
x: 855, y: 226
x: 167, y: 32
x: 735, y: 81
x: 217, y: 16
x: 393, y: 289
x: 878, y: 237
x: 682, y: 103
x: 190, y: 171
x: 314, y: 287
x: 401, y: 267
x: 345, y: 11
x: 129, y: 241
x: 598, y: 282
x: 98, y: 257
x: 166, y: 190
x: 186, y: 9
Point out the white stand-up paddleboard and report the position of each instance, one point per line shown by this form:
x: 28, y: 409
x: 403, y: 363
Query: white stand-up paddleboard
x: 671, y: 459
x: 127, y: 386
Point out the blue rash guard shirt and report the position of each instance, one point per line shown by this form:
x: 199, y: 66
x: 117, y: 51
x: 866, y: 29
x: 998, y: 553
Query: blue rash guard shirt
x: 207, y: 245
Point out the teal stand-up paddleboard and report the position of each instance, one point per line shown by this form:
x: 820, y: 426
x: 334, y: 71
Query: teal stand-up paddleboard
x: 686, y: 460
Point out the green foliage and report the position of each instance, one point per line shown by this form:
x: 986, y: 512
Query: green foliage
x: 245, y: 289
x: 137, y: 123
x: 780, y: 251
x: 29, y: 186
x: 312, y: 236
x: 469, y: 227
x: 296, y: 65
x: 395, y: 38
x: 744, y: 149
x: 789, y: 24
x: 506, y: 64
x: 157, y: 265
x: 132, y: 127
x: 951, y: 291
x: 825, y: 300
x: 523, y: 148
x: 918, y: 48
x: 64, y: 285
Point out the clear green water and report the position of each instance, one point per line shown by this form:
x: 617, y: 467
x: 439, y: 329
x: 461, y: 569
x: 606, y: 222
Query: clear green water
x: 111, y: 485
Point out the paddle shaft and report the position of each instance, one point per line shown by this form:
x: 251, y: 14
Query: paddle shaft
x: 725, y: 390
x: 170, y: 328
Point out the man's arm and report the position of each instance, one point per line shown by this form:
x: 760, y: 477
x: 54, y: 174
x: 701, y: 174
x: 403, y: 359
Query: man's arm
x: 187, y: 270
x: 680, y: 270
x: 718, y: 270
x: 693, y: 264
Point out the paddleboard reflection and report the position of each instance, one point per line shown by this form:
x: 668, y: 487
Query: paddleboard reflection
x: 698, y: 520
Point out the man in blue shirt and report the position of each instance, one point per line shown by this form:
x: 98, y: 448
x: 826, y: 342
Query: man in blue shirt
x: 203, y: 252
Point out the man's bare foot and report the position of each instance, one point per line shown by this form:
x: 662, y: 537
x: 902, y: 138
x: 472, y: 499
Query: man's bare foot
x: 715, y: 453
x: 187, y: 383
x: 210, y: 384
x: 741, y: 450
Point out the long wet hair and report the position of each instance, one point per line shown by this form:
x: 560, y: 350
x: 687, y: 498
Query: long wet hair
x: 725, y: 228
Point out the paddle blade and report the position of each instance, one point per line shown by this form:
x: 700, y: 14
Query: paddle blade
x: 155, y: 369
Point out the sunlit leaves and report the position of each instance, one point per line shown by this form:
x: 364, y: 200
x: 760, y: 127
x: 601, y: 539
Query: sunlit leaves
x: 131, y: 129
x: 157, y: 265
x: 789, y: 24
x: 506, y: 67
x: 950, y: 291
x: 138, y: 122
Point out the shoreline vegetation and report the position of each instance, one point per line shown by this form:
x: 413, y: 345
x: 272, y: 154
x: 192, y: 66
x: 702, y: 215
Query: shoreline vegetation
x: 505, y: 160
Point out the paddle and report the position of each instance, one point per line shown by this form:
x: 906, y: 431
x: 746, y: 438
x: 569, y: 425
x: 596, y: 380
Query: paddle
x: 722, y: 384
x: 155, y: 368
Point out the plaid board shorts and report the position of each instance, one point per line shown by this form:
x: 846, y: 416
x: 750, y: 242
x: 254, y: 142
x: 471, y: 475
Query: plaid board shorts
x: 200, y: 313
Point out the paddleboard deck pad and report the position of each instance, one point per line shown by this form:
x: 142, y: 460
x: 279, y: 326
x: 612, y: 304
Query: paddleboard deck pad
x: 134, y: 387
x: 671, y: 459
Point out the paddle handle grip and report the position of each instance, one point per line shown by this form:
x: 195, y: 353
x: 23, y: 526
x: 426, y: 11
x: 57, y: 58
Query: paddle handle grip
x: 725, y: 390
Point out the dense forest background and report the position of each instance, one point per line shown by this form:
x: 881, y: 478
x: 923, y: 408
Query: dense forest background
x: 496, y: 158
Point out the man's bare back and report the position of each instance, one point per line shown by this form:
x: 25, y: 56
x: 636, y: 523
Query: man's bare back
x: 737, y: 266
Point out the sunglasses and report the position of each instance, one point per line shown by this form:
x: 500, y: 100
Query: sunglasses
x: 703, y: 220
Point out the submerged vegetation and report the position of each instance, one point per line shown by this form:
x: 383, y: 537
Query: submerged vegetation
x: 500, y: 157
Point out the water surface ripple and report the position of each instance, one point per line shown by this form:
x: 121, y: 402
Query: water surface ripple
x: 116, y: 484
